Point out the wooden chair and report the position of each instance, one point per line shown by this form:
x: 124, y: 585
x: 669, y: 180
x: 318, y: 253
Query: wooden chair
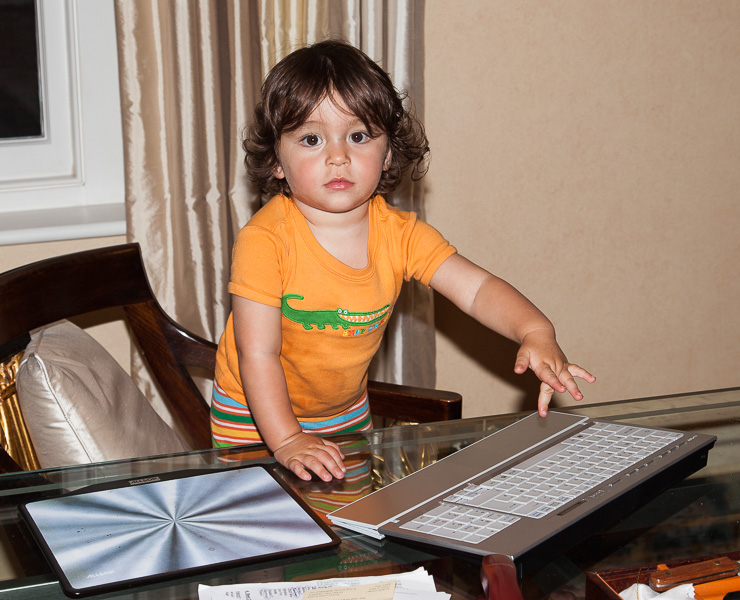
x: 72, y: 285
x: 498, y: 576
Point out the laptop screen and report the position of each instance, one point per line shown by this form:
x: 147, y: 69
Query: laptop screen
x: 164, y: 526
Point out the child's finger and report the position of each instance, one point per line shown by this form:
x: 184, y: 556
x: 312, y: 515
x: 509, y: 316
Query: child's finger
x: 578, y: 371
x: 567, y: 378
x: 339, y: 453
x: 570, y: 384
x: 323, y: 470
x: 298, y: 469
x: 332, y: 458
x: 543, y: 400
x: 548, y: 376
x: 325, y: 465
x: 522, y: 362
x: 334, y: 466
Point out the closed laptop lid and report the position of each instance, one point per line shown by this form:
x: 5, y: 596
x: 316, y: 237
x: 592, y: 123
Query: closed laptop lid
x: 140, y: 530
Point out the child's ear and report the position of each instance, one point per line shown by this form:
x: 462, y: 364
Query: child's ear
x: 278, y: 172
x: 387, y: 161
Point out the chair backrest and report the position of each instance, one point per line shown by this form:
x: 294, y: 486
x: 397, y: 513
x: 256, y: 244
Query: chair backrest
x: 75, y: 284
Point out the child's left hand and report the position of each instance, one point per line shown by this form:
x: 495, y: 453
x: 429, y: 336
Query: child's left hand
x: 540, y: 352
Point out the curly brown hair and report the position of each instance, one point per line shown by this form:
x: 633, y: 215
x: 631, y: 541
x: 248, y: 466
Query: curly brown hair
x: 298, y: 84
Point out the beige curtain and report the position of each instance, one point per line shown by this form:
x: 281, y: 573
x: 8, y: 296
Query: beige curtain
x: 190, y: 74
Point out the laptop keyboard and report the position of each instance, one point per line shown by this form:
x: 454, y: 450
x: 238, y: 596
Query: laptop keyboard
x: 460, y: 522
x: 544, y: 483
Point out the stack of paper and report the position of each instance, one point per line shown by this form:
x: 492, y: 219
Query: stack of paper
x: 416, y: 585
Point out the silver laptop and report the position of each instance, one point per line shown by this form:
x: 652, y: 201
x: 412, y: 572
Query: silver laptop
x: 531, y: 489
x: 141, y: 530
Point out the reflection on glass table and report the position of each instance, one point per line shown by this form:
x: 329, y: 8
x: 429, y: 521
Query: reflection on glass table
x: 695, y: 518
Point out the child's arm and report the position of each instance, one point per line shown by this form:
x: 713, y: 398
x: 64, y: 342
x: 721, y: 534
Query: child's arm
x: 499, y: 306
x: 258, y: 341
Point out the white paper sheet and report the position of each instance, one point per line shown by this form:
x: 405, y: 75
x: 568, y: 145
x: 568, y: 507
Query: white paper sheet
x: 416, y: 585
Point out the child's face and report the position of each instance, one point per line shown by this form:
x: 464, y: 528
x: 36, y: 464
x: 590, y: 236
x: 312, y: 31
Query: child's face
x: 330, y: 162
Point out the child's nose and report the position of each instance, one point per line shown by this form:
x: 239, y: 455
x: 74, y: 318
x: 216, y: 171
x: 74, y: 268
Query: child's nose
x: 338, y: 154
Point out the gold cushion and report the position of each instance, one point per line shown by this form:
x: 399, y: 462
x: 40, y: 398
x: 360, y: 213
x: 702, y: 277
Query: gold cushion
x: 80, y: 406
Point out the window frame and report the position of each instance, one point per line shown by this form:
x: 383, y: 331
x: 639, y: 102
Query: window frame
x: 69, y: 183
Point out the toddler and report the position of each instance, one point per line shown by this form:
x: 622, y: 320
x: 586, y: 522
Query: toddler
x: 316, y: 272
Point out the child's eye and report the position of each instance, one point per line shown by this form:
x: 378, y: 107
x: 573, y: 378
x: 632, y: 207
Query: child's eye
x: 358, y: 137
x: 311, y: 140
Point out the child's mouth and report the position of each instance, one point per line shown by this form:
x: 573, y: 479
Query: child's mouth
x: 339, y: 184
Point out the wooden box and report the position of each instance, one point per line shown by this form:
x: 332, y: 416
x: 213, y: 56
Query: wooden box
x: 606, y: 585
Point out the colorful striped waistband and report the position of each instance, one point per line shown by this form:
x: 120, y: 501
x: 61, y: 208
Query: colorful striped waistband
x: 232, y: 423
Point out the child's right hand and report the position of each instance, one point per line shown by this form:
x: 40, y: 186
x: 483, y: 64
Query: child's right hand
x: 304, y: 452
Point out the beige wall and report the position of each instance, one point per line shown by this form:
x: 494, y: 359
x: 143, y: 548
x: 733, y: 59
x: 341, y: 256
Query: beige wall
x: 589, y: 153
x: 17, y: 255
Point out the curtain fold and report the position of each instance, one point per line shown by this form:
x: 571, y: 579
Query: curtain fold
x: 190, y: 75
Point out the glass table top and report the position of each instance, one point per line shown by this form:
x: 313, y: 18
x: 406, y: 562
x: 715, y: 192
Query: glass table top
x: 698, y: 517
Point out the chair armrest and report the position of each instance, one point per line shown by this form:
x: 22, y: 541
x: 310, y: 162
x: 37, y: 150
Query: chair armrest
x: 415, y: 404
x: 190, y: 349
x: 498, y: 576
x: 170, y: 350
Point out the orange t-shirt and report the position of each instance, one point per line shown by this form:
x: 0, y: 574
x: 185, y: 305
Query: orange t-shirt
x: 333, y: 315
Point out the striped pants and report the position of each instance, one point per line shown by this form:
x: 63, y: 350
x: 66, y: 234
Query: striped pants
x: 232, y: 423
